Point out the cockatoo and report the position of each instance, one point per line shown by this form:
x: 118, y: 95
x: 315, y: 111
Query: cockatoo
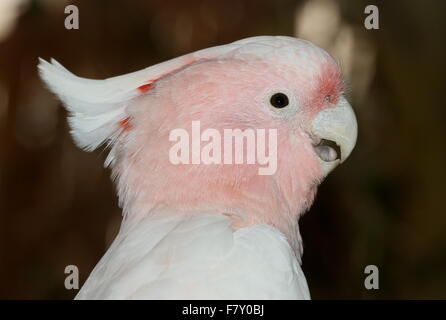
x: 211, y: 230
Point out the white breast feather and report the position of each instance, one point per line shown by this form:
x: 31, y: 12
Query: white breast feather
x: 196, y: 257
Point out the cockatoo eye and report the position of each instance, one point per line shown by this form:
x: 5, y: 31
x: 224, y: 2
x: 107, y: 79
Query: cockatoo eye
x: 279, y: 100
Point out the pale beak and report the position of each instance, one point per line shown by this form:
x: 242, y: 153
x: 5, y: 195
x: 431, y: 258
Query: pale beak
x: 334, y: 131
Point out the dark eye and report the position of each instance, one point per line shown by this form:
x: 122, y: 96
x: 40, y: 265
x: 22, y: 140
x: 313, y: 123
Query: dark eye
x: 279, y: 100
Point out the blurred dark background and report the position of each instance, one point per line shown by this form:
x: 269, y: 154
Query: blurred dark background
x: 384, y: 207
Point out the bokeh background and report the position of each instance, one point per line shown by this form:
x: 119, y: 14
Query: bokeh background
x: 385, y: 206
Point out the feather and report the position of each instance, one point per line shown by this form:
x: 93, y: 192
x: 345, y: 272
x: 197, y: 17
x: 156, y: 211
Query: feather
x: 96, y: 107
x: 190, y: 256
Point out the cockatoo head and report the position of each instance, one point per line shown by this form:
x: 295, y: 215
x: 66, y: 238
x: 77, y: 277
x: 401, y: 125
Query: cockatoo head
x: 279, y: 83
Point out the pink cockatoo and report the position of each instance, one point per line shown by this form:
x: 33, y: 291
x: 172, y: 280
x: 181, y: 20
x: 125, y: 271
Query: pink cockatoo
x: 211, y: 230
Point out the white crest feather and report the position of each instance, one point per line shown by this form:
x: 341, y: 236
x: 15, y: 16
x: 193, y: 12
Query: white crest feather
x: 97, y: 106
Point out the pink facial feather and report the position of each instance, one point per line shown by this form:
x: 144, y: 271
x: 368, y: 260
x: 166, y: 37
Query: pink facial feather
x: 227, y: 94
x: 225, y: 87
